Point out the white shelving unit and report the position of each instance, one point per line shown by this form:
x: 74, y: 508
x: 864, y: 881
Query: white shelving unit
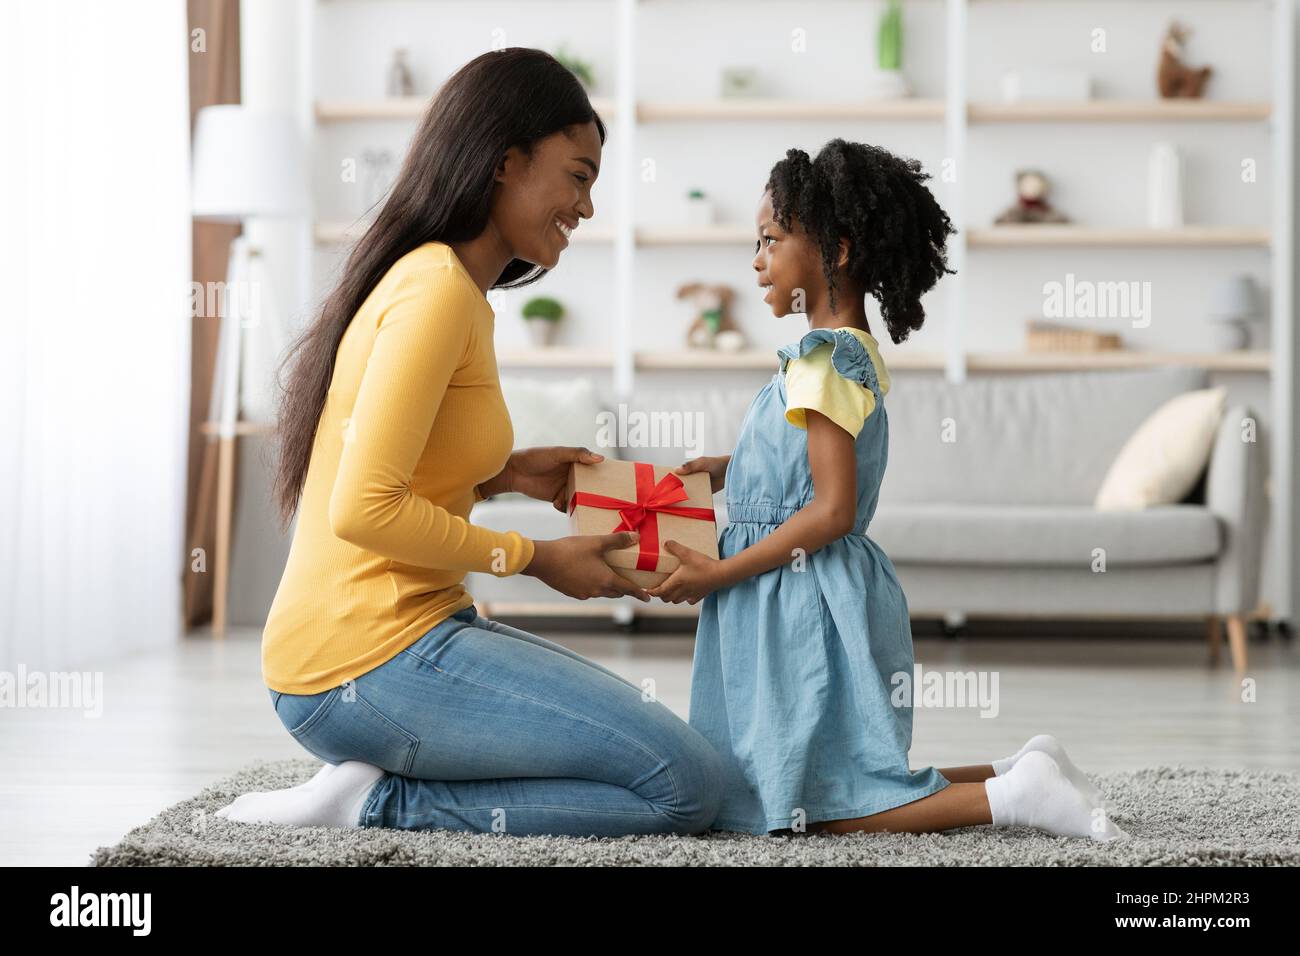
x: 625, y: 112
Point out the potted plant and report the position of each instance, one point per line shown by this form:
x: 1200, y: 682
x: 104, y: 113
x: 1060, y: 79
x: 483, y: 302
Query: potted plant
x: 578, y: 67
x: 887, y: 80
x: 541, y: 315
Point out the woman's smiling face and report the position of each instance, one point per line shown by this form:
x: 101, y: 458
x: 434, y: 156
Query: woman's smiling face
x: 540, y: 202
x: 785, y: 261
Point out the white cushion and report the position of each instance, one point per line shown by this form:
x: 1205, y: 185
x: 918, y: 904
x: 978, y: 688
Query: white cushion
x: 554, y: 412
x: 1162, y: 460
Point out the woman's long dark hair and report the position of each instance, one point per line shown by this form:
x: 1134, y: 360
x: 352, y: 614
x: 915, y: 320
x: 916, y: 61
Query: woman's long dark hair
x: 511, y: 97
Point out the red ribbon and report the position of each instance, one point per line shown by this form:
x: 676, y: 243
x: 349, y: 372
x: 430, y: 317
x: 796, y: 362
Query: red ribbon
x: 642, y: 515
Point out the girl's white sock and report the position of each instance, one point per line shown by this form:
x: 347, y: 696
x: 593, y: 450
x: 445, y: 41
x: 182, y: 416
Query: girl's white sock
x: 333, y: 798
x: 1036, y: 793
x: 1049, y: 745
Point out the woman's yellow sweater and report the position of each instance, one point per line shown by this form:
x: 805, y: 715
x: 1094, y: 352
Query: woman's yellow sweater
x: 413, y: 422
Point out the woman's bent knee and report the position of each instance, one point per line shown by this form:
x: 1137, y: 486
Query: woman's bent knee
x: 697, y: 777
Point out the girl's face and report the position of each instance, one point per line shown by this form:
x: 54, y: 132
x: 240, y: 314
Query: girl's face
x: 787, y: 262
x: 538, y: 203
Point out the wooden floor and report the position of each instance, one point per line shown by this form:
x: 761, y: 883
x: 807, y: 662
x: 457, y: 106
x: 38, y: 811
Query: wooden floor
x: 175, y: 722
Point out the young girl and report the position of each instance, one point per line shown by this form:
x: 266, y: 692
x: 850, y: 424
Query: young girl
x: 803, y: 656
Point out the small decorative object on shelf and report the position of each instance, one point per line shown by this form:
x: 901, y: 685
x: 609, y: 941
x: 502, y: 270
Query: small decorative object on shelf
x: 1174, y: 78
x: 1031, y: 200
x: 713, y: 306
x: 1055, y: 86
x: 1050, y: 337
x: 400, y: 80
x: 729, y: 340
x: 1234, y: 305
x: 1165, y: 187
x: 618, y: 495
x: 699, y: 209
x: 578, y: 67
x: 886, y: 81
x: 541, y: 316
x: 377, y: 176
x: 739, y: 81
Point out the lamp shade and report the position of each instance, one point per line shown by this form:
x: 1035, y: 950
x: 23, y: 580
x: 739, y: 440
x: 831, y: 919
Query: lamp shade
x: 247, y: 163
x: 1235, y: 297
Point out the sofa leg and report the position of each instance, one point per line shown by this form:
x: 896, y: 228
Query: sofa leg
x: 1237, y: 641
x: 1213, y: 636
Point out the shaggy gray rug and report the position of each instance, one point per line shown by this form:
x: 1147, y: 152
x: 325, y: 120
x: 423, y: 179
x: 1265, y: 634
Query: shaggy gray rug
x: 1177, y: 816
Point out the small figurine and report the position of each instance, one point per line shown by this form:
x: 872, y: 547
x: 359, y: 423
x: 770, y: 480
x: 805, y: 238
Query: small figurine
x: 714, y: 304
x: 1173, y: 77
x: 400, y: 81
x: 1031, y: 200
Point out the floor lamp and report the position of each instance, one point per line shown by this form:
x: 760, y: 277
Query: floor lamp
x: 247, y: 165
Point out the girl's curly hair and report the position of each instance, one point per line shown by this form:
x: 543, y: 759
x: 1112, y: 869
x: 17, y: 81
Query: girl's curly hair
x: 879, y: 202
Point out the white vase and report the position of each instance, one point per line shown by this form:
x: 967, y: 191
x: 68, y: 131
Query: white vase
x: 698, y: 211
x: 541, y: 332
x: 886, y: 85
x: 1165, y: 187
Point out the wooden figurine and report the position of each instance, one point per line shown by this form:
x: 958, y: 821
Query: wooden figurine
x: 1173, y: 77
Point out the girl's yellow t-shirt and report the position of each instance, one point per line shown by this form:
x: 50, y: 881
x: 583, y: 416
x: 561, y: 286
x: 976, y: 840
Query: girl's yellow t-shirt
x: 811, y: 381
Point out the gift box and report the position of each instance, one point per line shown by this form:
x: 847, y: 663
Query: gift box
x: 614, y: 495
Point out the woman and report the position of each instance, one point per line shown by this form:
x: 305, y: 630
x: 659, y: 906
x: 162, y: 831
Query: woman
x: 391, y: 426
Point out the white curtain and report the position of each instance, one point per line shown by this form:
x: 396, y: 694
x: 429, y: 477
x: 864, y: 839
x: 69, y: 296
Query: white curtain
x: 94, y: 328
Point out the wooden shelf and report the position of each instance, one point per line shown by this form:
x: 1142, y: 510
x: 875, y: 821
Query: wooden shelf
x: 555, y: 356
x: 335, y: 232
x: 404, y: 108
x: 1242, y: 361
x: 722, y: 234
x: 756, y: 108
x: 1008, y: 361
x: 903, y: 108
x: 1046, y: 234
x: 1050, y: 234
x: 1116, y: 111
x: 759, y: 360
x: 707, y: 359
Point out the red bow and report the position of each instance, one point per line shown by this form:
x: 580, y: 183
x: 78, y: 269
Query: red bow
x: 642, y: 515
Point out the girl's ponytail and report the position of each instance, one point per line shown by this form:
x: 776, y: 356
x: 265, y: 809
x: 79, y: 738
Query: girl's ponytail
x: 897, y: 231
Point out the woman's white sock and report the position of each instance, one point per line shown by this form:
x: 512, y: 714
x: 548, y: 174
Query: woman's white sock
x: 1049, y: 745
x: 246, y: 798
x: 1036, y: 793
x: 333, y: 798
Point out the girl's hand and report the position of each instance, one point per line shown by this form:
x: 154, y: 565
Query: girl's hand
x: 543, y: 473
x: 716, y: 467
x: 698, y: 575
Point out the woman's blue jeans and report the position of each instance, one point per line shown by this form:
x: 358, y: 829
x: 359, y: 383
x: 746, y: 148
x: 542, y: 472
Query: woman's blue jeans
x: 486, y: 728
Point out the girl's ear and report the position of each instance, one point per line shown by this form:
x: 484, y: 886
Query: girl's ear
x: 844, y: 253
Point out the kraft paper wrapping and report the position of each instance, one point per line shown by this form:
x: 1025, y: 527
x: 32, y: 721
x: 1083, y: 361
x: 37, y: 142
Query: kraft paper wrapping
x: 642, y: 497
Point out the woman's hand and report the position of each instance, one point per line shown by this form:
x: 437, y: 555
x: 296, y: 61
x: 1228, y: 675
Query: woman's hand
x: 576, y: 566
x: 716, y: 467
x: 541, y: 473
x: 698, y: 575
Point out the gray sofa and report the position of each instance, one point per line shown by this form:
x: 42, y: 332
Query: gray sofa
x: 986, y: 506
